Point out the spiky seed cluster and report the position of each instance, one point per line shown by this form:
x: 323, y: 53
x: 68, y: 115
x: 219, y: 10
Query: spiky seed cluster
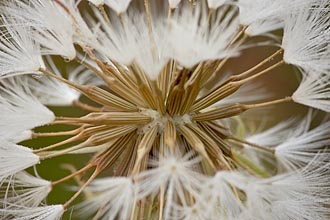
x: 159, y: 119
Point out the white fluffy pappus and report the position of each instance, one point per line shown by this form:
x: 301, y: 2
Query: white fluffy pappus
x: 303, y: 144
x: 15, y: 158
x: 300, y: 194
x: 118, y: 6
x: 185, y: 37
x: 19, y: 52
x: 270, y: 137
x: 132, y: 42
x: 220, y: 199
x: 193, y: 212
x: 173, y: 3
x: 175, y: 173
x: 214, y: 4
x: 20, y: 110
x: 17, y: 137
x: 52, y: 212
x: 50, y: 91
x: 54, y: 33
x: 311, y: 52
x: 112, y: 199
x: 262, y: 16
x: 275, y: 134
x: 23, y: 189
x: 313, y: 90
x: 192, y: 41
x: 282, y: 196
x: 97, y: 2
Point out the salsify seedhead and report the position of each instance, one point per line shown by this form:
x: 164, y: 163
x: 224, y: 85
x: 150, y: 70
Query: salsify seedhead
x: 162, y: 121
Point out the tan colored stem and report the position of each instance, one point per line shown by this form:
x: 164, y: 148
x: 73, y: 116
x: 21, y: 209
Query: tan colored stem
x: 50, y: 147
x: 261, y: 73
x: 259, y: 147
x: 264, y: 104
x: 82, y: 170
x: 74, y: 197
x: 56, y: 134
x: 249, y: 71
x: 87, y: 107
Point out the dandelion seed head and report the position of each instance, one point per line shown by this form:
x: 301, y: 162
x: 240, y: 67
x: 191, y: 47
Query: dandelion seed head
x: 159, y: 111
